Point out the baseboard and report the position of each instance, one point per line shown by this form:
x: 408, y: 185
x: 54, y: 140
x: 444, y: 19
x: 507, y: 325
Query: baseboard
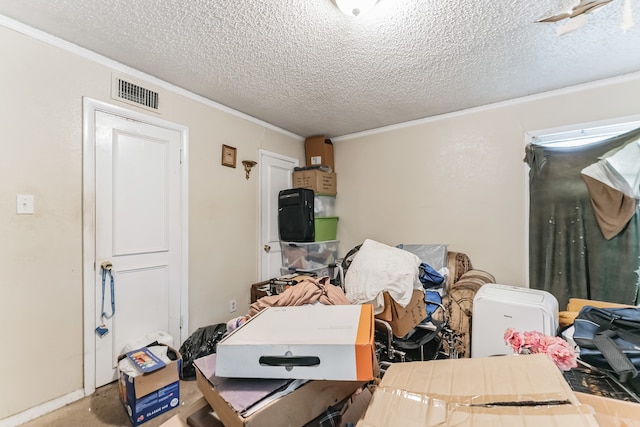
x: 38, y: 411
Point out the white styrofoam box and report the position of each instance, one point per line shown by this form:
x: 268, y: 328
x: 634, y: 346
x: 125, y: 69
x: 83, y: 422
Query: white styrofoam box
x: 324, y: 205
x: 159, y: 336
x: 315, y: 342
x: 498, y: 307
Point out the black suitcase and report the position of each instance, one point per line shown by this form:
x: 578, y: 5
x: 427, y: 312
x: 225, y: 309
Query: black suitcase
x: 295, y: 215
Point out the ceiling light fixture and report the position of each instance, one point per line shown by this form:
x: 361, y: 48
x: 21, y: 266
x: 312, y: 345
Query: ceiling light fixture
x: 355, y: 7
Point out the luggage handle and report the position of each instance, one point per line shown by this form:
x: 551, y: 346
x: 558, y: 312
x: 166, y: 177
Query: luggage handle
x: 618, y: 361
x: 289, y: 361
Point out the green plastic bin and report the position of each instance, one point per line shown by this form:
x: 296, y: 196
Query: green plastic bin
x: 326, y: 228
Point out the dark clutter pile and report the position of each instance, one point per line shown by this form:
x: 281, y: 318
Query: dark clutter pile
x: 314, y: 347
x: 318, y: 338
x: 385, y: 336
x: 319, y: 350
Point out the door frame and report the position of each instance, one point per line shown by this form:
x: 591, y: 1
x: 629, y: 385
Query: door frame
x: 262, y: 188
x: 89, y: 108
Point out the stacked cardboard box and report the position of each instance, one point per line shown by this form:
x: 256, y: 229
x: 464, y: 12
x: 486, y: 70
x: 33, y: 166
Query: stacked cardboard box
x: 321, y: 178
x: 319, y: 151
x: 320, y: 175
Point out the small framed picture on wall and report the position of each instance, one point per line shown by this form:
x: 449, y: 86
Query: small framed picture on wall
x: 228, y: 156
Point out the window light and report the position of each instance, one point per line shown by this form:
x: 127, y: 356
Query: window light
x: 580, y: 137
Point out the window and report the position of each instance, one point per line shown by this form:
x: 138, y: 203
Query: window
x: 569, y: 255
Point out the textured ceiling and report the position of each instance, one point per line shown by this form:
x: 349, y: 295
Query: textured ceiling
x: 305, y: 67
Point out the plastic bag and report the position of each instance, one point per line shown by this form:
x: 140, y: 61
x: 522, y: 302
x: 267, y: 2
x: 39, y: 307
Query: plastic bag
x: 201, y: 343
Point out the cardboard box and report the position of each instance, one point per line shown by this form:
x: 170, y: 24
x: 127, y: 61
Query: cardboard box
x: 315, y: 342
x: 319, y: 151
x: 403, y: 319
x: 198, y: 410
x: 294, y: 409
x: 322, y: 183
x: 149, y: 395
x: 612, y: 412
x: 356, y: 406
x: 516, y: 390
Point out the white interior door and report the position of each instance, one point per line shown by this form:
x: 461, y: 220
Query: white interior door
x: 275, y: 175
x: 138, y: 229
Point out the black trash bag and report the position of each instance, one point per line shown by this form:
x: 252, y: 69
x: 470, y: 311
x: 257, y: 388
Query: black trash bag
x: 201, y: 343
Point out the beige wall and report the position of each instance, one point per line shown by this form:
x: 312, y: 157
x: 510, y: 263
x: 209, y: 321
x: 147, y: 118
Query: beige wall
x: 41, y: 316
x: 460, y: 179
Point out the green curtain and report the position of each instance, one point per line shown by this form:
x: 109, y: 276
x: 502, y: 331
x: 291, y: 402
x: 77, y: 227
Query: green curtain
x: 568, y: 255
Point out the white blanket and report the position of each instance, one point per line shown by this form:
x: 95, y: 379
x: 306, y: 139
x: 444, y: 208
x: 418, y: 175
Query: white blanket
x: 377, y: 268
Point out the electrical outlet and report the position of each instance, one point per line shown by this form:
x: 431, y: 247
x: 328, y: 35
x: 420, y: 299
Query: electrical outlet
x: 233, y: 306
x: 24, y: 204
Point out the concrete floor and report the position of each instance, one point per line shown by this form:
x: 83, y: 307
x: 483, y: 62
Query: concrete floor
x: 104, y: 409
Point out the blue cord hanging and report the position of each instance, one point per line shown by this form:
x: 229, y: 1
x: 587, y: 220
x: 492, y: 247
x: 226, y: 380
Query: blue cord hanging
x: 106, y: 269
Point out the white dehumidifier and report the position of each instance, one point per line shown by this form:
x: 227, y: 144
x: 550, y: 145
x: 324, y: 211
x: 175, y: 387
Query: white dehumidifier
x: 498, y: 307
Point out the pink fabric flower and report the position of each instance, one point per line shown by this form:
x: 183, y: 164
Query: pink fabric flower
x: 562, y: 354
x: 531, y: 342
x: 514, y: 339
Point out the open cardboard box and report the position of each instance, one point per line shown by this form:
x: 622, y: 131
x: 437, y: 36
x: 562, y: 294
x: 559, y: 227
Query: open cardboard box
x: 515, y: 390
x: 181, y: 418
x: 294, y: 409
x: 146, y: 396
x: 403, y: 319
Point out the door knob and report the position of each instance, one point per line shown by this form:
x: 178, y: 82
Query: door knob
x: 267, y: 248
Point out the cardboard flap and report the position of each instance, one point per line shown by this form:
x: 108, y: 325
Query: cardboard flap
x: 395, y: 407
x: 403, y: 319
x: 148, y: 383
x: 612, y: 412
x: 483, y: 381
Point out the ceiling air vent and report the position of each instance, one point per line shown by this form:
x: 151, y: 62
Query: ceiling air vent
x: 134, y: 94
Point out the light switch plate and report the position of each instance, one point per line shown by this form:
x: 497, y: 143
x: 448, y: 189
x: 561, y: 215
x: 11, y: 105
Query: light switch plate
x: 24, y: 204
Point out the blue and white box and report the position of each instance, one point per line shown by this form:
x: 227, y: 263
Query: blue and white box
x: 145, y: 396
